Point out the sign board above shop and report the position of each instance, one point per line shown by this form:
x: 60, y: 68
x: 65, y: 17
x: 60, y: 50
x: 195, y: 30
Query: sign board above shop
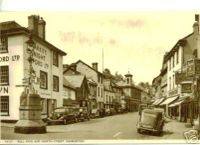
x: 180, y: 77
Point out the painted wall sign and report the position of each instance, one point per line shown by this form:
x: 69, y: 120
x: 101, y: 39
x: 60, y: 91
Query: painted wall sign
x: 7, y: 58
x: 3, y: 89
x: 40, y: 57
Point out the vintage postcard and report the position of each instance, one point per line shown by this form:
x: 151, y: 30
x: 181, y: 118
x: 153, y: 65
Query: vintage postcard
x: 99, y: 77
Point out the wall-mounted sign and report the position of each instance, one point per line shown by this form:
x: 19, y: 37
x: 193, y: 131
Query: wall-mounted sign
x: 186, y: 88
x: 3, y: 90
x: 7, y: 58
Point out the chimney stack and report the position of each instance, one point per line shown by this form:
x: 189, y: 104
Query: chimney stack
x: 196, y: 25
x: 95, y: 66
x: 33, y: 24
x: 37, y: 25
x: 41, y: 28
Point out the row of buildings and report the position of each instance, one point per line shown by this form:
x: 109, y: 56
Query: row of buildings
x: 176, y: 87
x: 59, y: 84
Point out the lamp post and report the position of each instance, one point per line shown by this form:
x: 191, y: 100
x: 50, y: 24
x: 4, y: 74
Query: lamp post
x: 30, y: 108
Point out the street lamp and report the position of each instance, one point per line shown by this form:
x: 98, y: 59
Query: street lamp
x: 30, y: 108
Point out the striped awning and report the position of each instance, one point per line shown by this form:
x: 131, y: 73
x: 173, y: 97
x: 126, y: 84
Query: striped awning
x: 169, y: 100
x: 158, y: 101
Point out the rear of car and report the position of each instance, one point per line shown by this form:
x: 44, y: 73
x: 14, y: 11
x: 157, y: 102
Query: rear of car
x: 151, y: 120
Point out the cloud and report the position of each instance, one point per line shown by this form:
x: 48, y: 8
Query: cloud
x: 129, y: 23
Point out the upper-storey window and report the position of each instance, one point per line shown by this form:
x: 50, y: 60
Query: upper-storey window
x: 173, y: 61
x: 55, y: 83
x: 55, y: 59
x: 177, y: 56
x: 4, y: 75
x: 43, y: 80
x: 170, y: 64
x: 3, y: 45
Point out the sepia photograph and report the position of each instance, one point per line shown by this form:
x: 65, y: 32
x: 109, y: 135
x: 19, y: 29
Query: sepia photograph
x: 99, y: 77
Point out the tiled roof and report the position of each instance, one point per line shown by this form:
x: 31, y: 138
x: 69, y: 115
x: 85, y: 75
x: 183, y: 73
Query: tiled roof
x: 75, y: 80
x: 13, y: 28
x: 66, y: 83
x: 9, y: 25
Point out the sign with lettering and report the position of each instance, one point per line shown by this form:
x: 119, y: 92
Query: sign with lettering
x: 7, y: 58
x: 3, y: 90
x: 40, y: 57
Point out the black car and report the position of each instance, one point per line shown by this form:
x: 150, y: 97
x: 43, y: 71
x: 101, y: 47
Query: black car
x: 83, y: 114
x: 63, y: 115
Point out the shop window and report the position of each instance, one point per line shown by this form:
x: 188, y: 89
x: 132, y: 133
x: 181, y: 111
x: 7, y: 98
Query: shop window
x: 55, y: 83
x: 4, y: 75
x: 3, y: 45
x: 55, y: 59
x: 4, y: 105
x: 43, y: 80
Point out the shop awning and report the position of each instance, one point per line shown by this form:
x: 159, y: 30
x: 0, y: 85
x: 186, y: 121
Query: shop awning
x: 158, y: 101
x: 176, y: 103
x: 169, y: 100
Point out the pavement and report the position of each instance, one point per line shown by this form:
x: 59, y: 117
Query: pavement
x: 117, y: 127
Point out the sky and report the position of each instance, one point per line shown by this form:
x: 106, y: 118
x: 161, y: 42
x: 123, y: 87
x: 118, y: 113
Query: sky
x: 131, y: 40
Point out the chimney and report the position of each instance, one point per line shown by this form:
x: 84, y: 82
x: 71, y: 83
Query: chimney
x: 41, y: 28
x: 33, y: 24
x: 196, y: 25
x: 95, y: 66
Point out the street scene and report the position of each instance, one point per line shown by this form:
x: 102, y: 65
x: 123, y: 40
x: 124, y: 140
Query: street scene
x: 100, y: 76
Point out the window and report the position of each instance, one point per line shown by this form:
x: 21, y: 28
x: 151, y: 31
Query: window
x: 4, y: 75
x: 55, y: 59
x: 173, y: 61
x: 43, y: 80
x: 98, y: 91
x: 177, y: 56
x: 173, y: 82
x: 169, y: 83
x: 170, y: 64
x: 127, y: 80
x: 55, y: 83
x: 3, y: 45
x: 4, y: 105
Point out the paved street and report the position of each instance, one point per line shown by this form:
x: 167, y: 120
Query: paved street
x: 121, y: 126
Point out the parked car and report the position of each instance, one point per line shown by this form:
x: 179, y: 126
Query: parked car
x: 107, y: 111
x: 151, y: 120
x: 94, y: 113
x: 83, y: 114
x: 112, y: 111
x: 63, y: 115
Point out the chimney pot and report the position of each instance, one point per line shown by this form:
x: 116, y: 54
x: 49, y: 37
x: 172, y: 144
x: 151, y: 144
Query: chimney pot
x: 95, y: 66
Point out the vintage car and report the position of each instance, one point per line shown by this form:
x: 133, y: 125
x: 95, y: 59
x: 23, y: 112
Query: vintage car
x: 151, y: 120
x: 83, y: 114
x: 63, y: 115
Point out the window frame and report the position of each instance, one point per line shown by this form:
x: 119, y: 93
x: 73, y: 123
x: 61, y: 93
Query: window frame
x: 46, y: 80
x: 8, y: 111
x: 57, y: 89
x: 6, y: 44
x: 55, y: 57
x: 8, y: 82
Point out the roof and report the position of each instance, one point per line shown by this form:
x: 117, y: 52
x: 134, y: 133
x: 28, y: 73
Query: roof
x: 10, y: 28
x: 80, y: 61
x: 91, y: 81
x: 67, y: 84
x: 179, y: 42
x: 124, y: 85
x: 75, y: 80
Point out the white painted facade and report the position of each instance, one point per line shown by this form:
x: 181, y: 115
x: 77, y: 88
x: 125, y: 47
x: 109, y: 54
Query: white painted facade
x: 16, y: 60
